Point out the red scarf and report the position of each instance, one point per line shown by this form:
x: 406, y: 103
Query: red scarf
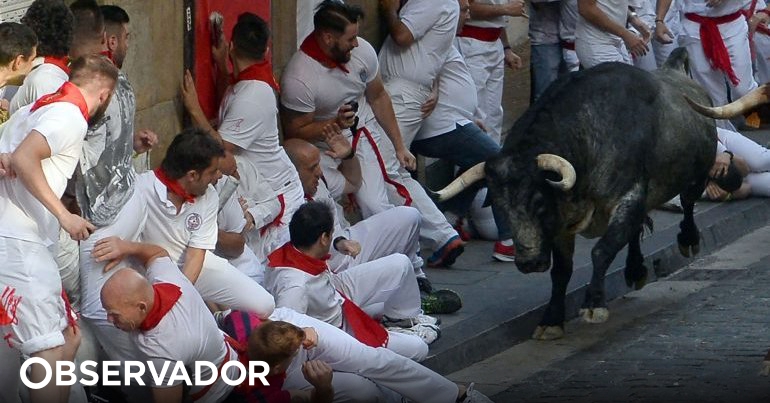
x: 68, y: 92
x: 173, y: 185
x: 365, y: 329
x: 312, y: 48
x: 166, y: 296
x: 713, y: 45
x: 261, y: 71
x: 60, y: 62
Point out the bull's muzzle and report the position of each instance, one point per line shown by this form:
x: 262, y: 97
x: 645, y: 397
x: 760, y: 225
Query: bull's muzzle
x: 538, y: 264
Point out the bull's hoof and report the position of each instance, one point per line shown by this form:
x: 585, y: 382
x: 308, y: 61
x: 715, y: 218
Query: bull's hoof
x: 765, y: 368
x: 594, y: 315
x: 689, y: 250
x: 546, y: 333
x: 637, y: 281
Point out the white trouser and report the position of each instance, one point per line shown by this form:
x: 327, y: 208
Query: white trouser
x: 663, y: 50
x: 591, y: 54
x: 372, y: 196
x: 384, y: 367
x: 646, y: 62
x: 735, y: 36
x: 68, y: 259
x: 762, y: 61
x: 407, y: 98
x: 386, y: 287
x: 571, y: 60
x: 486, y: 62
x: 393, y: 231
x: 221, y: 283
x: 128, y: 225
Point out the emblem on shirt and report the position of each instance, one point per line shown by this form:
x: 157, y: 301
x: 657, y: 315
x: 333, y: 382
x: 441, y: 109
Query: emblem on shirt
x: 193, y: 221
x: 362, y: 75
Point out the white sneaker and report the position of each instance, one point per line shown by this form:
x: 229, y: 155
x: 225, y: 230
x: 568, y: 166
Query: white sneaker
x: 474, y: 396
x: 420, y: 319
x: 428, y: 333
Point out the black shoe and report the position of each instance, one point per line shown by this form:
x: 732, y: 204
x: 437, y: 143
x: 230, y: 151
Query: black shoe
x: 425, y: 285
x: 441, y: 302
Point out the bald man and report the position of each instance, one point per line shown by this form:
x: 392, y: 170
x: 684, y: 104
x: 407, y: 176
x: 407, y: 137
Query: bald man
x: 392, y: 231
x: 165, y: 317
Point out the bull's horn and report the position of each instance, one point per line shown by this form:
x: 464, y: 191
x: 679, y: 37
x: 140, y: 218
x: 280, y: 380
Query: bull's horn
x: 469, y: 177
x: 554, y: 163
x: 740, y: 106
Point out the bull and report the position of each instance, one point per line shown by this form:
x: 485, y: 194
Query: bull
x: 599, y: 150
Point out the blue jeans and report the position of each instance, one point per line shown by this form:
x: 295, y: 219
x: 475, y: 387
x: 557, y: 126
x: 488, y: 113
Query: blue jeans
x: 465, y: 146
x: 546, y: 64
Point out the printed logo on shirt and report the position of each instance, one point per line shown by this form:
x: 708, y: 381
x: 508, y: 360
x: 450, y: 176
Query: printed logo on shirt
x: 362, y: 75
x: 235, y: 126
x: 193, y: 221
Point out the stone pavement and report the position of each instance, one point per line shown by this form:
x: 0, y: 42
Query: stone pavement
x: 698, y: 336
x: 503, y: 306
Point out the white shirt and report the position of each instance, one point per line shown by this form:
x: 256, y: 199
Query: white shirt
x: 44, y: 79
x: 457, y: 100
x: 328, y: 193
x: 314, y: 296
x: 568, y: 20
x: 308, y: 86
x: 497, y: 22
x: 64, y: 128
x: 187, y: 333
x: 433, y: 23
x: 248, y: 118
x: 231, y: 219
x: 616, y: 10
x: 195, y: 225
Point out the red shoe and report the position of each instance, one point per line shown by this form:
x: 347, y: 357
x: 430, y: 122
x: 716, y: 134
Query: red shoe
x: 464, y: 235
x: 503, y: 253
x: 447, y: 254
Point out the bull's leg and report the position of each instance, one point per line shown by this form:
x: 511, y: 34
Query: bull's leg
x: 551, y: 327
x: 624, y: 222
x: 689, y: 236
x: 635, y: 272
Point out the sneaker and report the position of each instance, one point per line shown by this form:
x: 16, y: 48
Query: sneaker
x: 428, y: 333
x: 503, y: 253
x: 441, y: 302
x: 464, y: 235
x: 447, y: 254
x: 420, y: 319
x: 474, y: 396
x: 425, y: 285
x: 219, y: 317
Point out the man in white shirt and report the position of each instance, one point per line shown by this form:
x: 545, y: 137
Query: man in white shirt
x: 601, y: 34
x: 166, y: 319
x: 181, y: 206
x: 45, y: 141
x: 715, y: 33
x: 248, y: 128
x: 52, y: 22
x: 333, y: 72
x: 483, y: 42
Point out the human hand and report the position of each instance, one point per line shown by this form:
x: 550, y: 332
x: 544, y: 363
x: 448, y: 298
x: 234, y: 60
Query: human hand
x: 515, y: 8
x: 635, y: 44
x: 78, y: 227
x: 512, y: 60
x: 757, y: 20
x: 348, y: 247
x: 721, y: 164
x: 662, y: 33
x: 144, y: 140
x: 714, y: 192
x: 219, y: 50
x: 406, y: 159
x: 311, y: 338
x: 190, y: 94
x: 339, y: 146
x: 5, y: 104
x: 429, y: 105
x: 6, y: 170
x: 346, y: 116
x: 318, y: 373
x: 111, y: 250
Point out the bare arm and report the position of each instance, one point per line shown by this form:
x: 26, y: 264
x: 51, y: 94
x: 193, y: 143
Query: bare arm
x: 230, y: 244
x: 351, y: 170
x: 114, y: 249
x: 172, y: 394
x: 303, y: 126
x: 398, y: 30
x: 662, y: 34
x: 340, y: 148
x: 514, y: 8
x: 193, y: 107
x: 379, y: 99
x: 26, y: 162
x: 193, y: 263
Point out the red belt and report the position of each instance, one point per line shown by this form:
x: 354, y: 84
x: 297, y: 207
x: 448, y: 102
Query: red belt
x: 713, y: 45
x: 400, y: 188
x: 569, y: 45
x: 230, y: 344
x: 482, y: 34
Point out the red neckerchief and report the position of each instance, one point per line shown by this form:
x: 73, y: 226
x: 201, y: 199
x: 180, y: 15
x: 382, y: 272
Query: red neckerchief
x: 289, y: 256
x: 311, y: 48
x: 173, y: 185
x: 60, y: 62
x: 68, y: 92
x: 713, y: 44
x: 277, y: 220
x: 364, y: 328
x: 261, y: 71
x: 108, y: 55
x: 166, y: 296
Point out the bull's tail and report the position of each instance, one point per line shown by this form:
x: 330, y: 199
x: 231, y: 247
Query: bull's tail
x: 648, y: 224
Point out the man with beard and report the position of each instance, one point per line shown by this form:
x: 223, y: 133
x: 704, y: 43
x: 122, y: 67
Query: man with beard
x: 52, y: 22
x: 45, y: 140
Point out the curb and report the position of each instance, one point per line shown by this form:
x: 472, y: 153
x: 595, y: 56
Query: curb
x: 503, y: 327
